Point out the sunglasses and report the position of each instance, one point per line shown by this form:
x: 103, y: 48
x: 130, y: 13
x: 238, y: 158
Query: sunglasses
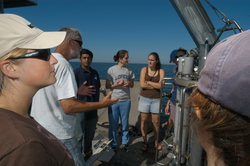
x: 79, y: 42
x: 176, y: 57
x: 43, y: 54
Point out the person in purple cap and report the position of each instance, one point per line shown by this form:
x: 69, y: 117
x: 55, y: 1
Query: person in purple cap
x: 221, y: 116
x: 175, y: 54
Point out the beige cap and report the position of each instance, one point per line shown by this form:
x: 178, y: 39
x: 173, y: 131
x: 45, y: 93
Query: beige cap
x: 16, y: 32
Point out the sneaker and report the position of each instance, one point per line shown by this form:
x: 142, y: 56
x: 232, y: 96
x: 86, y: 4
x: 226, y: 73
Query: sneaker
x: 126, y: 146
x: 114, y: 148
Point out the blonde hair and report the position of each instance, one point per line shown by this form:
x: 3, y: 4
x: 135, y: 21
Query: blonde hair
x: 230, y: 131
x: 13, y: 54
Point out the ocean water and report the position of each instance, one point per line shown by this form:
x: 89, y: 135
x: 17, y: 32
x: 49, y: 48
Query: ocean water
x: 102, y: 69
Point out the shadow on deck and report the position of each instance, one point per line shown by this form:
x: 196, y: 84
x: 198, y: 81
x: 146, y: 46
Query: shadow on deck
x: 134, y: 156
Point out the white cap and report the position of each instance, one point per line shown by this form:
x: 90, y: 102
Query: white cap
x: 16, y: 32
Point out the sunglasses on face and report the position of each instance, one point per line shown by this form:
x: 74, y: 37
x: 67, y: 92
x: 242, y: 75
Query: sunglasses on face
x: 176, y: 57
x: 78, y: 41
x: 43, y: 54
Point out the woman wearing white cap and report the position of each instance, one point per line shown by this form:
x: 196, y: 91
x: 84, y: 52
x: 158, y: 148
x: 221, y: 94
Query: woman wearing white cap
x: 26, y: 66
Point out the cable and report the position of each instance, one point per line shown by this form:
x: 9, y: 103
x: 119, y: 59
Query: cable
x: 229, y: 23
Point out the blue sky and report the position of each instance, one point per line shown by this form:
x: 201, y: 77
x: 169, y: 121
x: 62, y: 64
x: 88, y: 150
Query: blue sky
x: 139, y: 26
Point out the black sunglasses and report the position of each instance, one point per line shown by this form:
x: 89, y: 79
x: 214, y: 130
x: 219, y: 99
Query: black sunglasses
x: 79, y: 42
x: 41, y: 54
x: 176, y: 57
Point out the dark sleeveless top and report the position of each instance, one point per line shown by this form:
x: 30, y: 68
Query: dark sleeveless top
x: 151, y: 93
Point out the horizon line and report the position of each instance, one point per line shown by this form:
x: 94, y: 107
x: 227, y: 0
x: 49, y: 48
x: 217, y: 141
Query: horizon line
x: 128, y: 64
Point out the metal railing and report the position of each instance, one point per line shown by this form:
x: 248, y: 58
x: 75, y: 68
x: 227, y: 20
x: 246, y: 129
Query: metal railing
x: 181, y: 118
x: 160, y: 108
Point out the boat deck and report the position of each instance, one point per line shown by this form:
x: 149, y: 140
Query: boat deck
x: 134, y: 156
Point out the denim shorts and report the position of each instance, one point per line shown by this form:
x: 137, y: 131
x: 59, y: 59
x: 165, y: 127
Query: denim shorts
x: 149, y: 105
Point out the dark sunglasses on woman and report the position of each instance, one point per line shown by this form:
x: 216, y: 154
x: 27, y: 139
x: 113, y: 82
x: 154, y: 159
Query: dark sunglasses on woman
x: 43, y: 54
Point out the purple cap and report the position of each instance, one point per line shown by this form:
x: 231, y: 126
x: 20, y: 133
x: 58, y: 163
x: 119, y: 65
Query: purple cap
x: 172, y: 55
x: 225, y: 78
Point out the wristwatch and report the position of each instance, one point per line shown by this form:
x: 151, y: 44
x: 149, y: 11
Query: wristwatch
x: 147, y: 82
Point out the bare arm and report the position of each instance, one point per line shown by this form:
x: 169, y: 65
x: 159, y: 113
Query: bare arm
x: 109, y: 86
x: 169, y: 100
x: 157, y: 85
x: 172, y: 89
x: 142, y: 79
x: 86, y: 90
x: 73, y: 105
x: 167, y: 107
x: 129, y: 83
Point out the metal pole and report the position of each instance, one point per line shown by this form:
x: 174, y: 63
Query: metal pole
x: 156, y: 152
x: 1, y: 6
x: 181, y: 122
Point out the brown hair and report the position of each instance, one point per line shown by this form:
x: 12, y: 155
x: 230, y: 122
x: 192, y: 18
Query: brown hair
x: 120, y: 54
x: 158, y: 64
x: 230, y: 131
x: 182, y: 50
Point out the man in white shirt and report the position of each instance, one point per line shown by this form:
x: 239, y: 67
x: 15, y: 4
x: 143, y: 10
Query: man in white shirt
x: 54, y: 107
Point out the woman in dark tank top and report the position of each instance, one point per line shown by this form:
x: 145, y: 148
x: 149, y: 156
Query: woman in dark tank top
x: 150, y: 82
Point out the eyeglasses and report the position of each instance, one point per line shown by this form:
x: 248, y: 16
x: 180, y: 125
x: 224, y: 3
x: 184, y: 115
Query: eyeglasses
x: 176, y: 57
x: 79, y: 42
x: 43, y: 54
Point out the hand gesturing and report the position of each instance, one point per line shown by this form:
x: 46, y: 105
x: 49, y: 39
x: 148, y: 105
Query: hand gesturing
x: 86, y: 90
x: 120, y: 82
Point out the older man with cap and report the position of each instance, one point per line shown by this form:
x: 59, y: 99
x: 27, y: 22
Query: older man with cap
x: 221, y: 102
x: 26, y: 65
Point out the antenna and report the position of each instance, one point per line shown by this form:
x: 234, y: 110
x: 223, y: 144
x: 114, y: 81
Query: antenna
x: 229, y: 23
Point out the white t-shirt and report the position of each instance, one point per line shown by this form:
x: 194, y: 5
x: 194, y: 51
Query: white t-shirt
x: 115, y: 74
x: 46, y: 107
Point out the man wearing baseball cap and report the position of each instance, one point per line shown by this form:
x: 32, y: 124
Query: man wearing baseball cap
x: 174, y: 55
